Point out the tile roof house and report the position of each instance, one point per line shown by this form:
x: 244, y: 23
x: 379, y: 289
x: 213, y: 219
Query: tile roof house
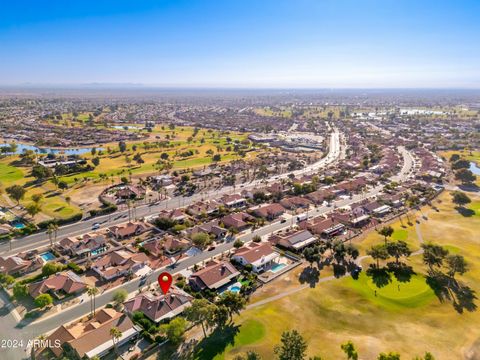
x: 295, y: 240
x: 118, y: 263
x: 269, y: 211
x: 295, y: 202
x: 237, y: 221
x: 92, y: 338
x: 13, y: 265
x: 157, y: 306
x: 328, y: 227
x: 67, y: 282
x: 176, y: 214
x: 213, y: 276
x: 86, y: 244
x: 319, y: 196
x: 211, y: 227
x: 167, y: 244
x: 128, y: 230
x: 233, y: 201
x: 260, y: 255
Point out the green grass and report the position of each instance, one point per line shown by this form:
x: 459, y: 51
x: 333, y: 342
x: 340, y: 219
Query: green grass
x: 220, y: 342
x: 9, y: 174
x: 400, y: 234
x: 396, y: 295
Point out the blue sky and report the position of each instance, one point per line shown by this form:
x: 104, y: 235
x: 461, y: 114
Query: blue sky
x: 242, y: 43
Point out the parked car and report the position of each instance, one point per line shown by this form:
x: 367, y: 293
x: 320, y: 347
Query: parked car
x: 96, y: 226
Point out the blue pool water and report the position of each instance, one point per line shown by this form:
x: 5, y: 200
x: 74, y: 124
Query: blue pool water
x: 47, y: 256
x: 18, y: 225
x: 277, y: 267
x: 234, y: 288
x: 98, y: 251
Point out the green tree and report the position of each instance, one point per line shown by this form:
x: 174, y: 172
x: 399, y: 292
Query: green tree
x: 216, y: 157
x: 456, y: 264
x: 175, y: 330
x: 386, y: 232
x: 96, y: 161
x: 389, y: 356
x: 201, y: 312
x: 201, y: 240
x: 20, y: 290
x: 122, y: 146
x: 33, y: 209
x: 16, y: 192
x: 398, y: 249
x: 233, y: 301
x: 460, y: 198
x: 237, y: 244
x: 43, y: 300
x: 115, y: 334
x: 36, y: 198
x: 41, y: 172
x: 250, y: 355
x: 51, y: 268
x: 378, y: 252
x: 119, y: 296
x: 433, y: 255
x: 292, y: 346
x: 92, y: 292
x: 465, y: 176
x: 349, y: 350
x: 427, y: 356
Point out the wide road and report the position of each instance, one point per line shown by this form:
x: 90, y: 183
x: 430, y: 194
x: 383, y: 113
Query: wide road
x: 39, y: 239
x: 48, y: 324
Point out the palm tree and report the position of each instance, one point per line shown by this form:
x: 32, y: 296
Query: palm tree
x: 92, y: 291
x: 116, y: 334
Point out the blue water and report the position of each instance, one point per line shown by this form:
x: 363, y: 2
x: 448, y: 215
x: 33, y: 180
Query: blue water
x: 277, y: 267
x: 67, y: 151
x: 98, y: 251
x: 234, y: 289
x: 18, y: 224
x: 474, y: 168
x: 47, y: 256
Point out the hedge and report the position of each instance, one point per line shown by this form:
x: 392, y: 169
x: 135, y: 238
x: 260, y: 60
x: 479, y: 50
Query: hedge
x: 71, y: 219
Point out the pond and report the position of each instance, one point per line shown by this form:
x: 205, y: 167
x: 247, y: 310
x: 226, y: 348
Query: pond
x: 41, y: 150
x: 474, y: 168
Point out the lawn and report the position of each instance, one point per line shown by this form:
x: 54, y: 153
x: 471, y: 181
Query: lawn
x: 411, y: 320
x: 9, y: 174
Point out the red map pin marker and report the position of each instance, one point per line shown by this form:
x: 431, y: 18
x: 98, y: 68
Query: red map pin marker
x: 165, y: 281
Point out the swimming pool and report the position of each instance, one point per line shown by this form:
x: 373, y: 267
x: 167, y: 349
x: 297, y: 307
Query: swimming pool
x: 277, y: 267
x: 47, y: 256
x: 98, y: 251
x: 18, y: 224
x: 234, y: 288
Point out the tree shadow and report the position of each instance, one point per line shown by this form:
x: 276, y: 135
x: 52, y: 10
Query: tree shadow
x: 447, y: 288
x: 380, y: 276
x: 216, y: 343
x: 401, y: 271
x: 310, y: 275
x: 465, y: 211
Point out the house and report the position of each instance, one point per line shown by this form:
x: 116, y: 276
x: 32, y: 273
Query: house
x: 351, y: 185
x: 128, y: 230
x: 319, y: 196
x: 213, y: 276
x: 233, y: 201
x: 238, y: 221
x: 176, y: 215
x: 157, y: 306
x: 376, y: 208
x: 66, y: 282
x: 295, y: 202
x: 130, y: 192
x: 327, y: 227
x: 203, y: 207
x: 87, y: 244
x: 269, y: 211
x: 212, y: 228
x: 295, y: 240
x: 260, y: 255
x: 17, y: 265
x: 349, y: 219
x: 91, y: 338
x: 167, y: 244
x: 119, y: 263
